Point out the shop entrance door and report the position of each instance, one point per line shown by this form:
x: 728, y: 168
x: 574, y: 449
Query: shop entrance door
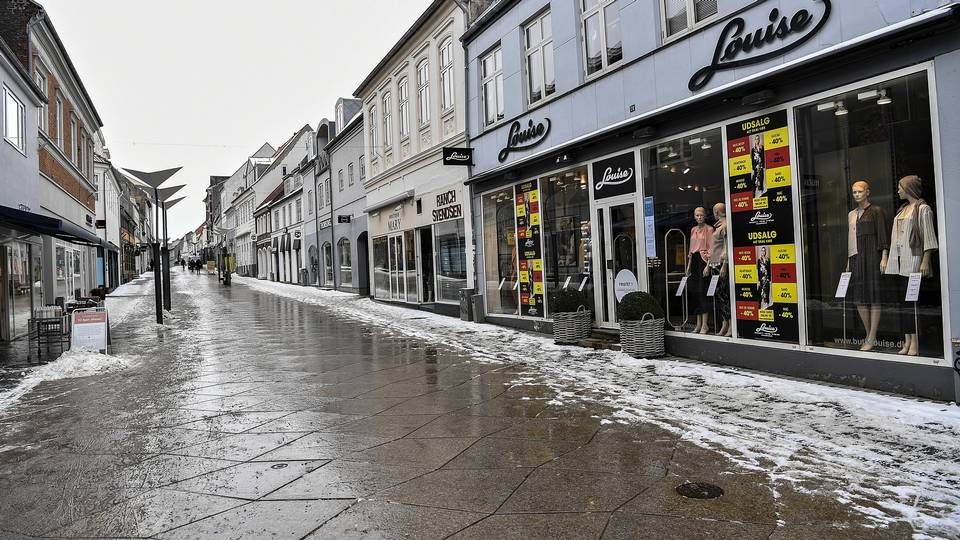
x: 395, y: 260
x: 426, y: 264
x: 617, y: 251
x: 6, y: 302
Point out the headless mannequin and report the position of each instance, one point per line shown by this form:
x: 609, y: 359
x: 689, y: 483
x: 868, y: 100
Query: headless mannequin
x: 703, y: 319
x: 720, y: 265
x: 909, y: 189
x: 869, y: 313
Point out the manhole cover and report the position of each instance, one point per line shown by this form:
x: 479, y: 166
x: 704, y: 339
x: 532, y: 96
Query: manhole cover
x: 279, y: 466
x: 699, y: 490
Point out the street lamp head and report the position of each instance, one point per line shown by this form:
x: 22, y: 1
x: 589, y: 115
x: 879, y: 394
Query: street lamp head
x: 167, y: 192
x: 169, y: 204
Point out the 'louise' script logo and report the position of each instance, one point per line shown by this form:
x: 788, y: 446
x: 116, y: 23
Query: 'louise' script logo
x: 523, y: 138
x: 610, y: 178
x: 761, y: 218
x: 735, y: 43
x: 767, y: 330
x: 457, y: 156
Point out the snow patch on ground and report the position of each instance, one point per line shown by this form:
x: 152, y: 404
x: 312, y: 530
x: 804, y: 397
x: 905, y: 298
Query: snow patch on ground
x: 71, y: 364
x: 880, y: 451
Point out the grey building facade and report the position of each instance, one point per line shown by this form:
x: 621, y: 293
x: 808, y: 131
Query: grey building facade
x: 349, y: 242
x: 772, y: 172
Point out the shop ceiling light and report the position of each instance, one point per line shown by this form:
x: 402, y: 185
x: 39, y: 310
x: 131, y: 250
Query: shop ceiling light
x: 673, y: 153
x: 686, y: 170
x: 868, y: 95
x: 828, y: 106
x: 884, y: 98
x: 695, y: 141
x: 706, y: 145
x: 841, y: 110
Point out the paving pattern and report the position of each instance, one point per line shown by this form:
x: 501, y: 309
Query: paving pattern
x: 251, y: 416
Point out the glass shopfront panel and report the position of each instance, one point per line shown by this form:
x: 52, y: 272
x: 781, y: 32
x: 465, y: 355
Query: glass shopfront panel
x: 381, y: 268
x: 684, y: 188
x: 451, y: 255
x: 869, y: 219
x: 21, y: 286
x: 409, y: 254
x: 500, y: 253
x: 566, y: 232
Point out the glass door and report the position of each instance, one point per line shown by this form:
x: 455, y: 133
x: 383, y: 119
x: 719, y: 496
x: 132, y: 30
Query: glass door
x: 617, y: 244
x: 397, y: 281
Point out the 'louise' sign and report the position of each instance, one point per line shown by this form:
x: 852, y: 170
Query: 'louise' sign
x: 523, y: 138
x: 740, y: 46
x: 614, y: 176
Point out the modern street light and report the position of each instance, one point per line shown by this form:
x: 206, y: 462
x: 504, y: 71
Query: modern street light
x: 165, y: 194
x: 154, y: 179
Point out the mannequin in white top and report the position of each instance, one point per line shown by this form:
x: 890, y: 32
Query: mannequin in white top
x: 912, y: 242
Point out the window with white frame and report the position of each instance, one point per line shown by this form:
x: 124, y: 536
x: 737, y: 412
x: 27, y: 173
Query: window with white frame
x: 340, y: 178
x: 491, y: 86
x: 276, y: 219
x: 42, y: 115
x: 372, y: 113
x: 14, y: 121
x: 538, y: 40
x: 350, y: 173
x: 58, y: 122
x: 602, y: 36
x: 403, y: 96
x: 446, y: 75
x: 73, y: 137
x: 681, y: 15
x: 309, y: 198
x: 299, y: 210
x: 387, y: 121
x: 423, y: 91
x: 339, y: 116
x: 363, y: 168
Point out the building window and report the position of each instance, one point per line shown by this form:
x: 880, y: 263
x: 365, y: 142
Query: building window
x: 446, y: 75
x: 403, y: 94
x: 423, y: 91
x: 363, y: 168
x: 299, y: 210
x: 538, y: 37
x: 567, y: 245
x: 339, y: 116
x: 283, y: 170
x: 276, y: 219
x: 43, y: 119
x: 680, y: 15
x: 14, y: 121
x: 491, y: 83
x: 73, y: 138
x: 387, y: 121
x: 869, y: 203
x: 350, y: 173
x: 327, y: 265
x: 450, y: 241
x: 601, y: 34
x: 372, y: 113
x: 340, y: 178
x: 58, y: 122
x: 309, y: 206
x: 346, y: 264
x: 500, y: 253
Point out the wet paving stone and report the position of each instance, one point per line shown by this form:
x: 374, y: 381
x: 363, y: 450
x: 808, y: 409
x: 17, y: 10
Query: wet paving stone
x: 310, y: 425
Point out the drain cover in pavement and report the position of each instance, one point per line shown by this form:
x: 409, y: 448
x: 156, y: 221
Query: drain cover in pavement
x: 279, y: 466
x: 699, y: 490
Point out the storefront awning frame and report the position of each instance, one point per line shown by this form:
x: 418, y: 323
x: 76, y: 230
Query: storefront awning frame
x: 47, y: 226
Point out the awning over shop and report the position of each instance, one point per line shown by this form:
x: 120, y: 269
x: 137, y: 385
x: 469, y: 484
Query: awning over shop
x: 386, y: 202
x: 48, y: 226
x: 109, y: 246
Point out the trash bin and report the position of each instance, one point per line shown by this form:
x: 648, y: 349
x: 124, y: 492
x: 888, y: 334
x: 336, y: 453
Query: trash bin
x: 466, y: 304
x: 304, y: 276
x: 478, y: 308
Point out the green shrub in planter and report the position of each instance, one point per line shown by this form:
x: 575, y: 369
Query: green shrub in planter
x: 568, y: 301
x: 636, y: 304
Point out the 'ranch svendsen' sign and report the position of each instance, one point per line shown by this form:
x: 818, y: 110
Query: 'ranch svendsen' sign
x: 734, y: 42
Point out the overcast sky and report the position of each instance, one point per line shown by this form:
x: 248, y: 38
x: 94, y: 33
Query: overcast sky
x: 204, y: 83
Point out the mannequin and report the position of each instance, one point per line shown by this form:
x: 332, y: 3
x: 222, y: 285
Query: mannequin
x: 867, y: 250
x: 717, y: 266
x: 913, y: 240
x: 764, y: 272
x: 701, y: 240
x: 758, y: 165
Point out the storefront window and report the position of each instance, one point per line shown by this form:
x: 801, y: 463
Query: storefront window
x: 500, y: 252
x: 19, y: 254
x: 61, y: 263
x: 381, y: 268
x: 684, y: 188
x: 566, y: 232
x: 869, y: 219
x: 451, y: 259
x: 410, y: 256
x: 530, y: 248
x: 346, y: 266
x: 327, y: 265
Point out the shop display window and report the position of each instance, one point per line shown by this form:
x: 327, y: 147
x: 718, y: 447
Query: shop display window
x: 686, y: 215
x: 566, y: 232
x: 451, y: 259
x: 346, y: 266
x: 500, y: 253
x: 381, y: 268
x: 869, y: 219
x: 409, y: 256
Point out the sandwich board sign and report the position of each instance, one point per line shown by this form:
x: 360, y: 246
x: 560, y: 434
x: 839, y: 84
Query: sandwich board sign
x: 89, y: 331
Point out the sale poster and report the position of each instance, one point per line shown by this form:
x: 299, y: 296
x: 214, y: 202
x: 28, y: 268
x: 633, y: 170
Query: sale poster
x: 761, y: 200
x: 529, y: 249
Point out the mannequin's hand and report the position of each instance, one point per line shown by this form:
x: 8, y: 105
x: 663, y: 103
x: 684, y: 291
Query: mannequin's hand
x: 723, y: 271
x: 925, y: 268
x: 883, y: 265
x: 706, y: 272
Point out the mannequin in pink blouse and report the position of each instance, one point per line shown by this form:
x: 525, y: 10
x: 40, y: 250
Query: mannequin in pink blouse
x: 701, y: 243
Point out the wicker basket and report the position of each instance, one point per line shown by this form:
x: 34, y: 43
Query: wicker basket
x: 643, y: 338
x: 572, y: 326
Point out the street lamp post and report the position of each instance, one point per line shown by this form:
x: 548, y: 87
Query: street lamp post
x: 153, y: 180
x: 165, y: 194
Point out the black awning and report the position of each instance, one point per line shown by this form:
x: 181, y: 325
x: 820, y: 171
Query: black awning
x: 45, y: 225
x: 109, y: 246
x: 276, y: 244
x: 296, y: 244
x: 283, y: 243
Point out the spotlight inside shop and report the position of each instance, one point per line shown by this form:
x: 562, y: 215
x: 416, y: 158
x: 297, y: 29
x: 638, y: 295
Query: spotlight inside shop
x: 884, y: 98
x: 841, y: 110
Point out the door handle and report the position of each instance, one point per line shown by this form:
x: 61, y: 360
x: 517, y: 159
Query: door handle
x: 610, y: 265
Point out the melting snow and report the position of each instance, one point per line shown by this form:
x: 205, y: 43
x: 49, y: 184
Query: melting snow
x: 70, y: 364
